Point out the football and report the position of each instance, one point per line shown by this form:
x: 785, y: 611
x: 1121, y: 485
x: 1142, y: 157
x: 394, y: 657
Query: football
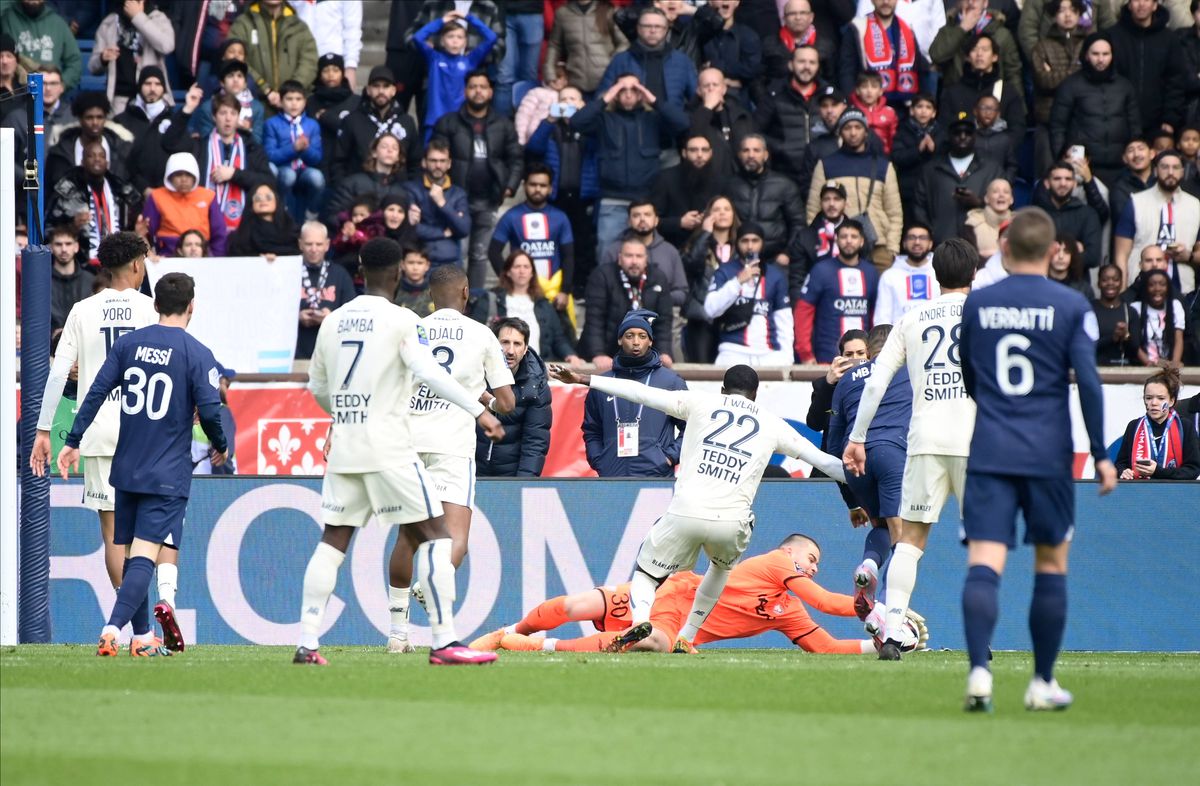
x: 909, y: 639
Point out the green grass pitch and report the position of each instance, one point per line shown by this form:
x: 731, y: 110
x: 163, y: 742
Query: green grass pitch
x: 232, y: 715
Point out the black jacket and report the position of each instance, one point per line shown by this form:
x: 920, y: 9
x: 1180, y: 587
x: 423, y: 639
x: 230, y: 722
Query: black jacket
x: 628, y: 144
x: 724, y: 126
x: 680, y: 189
x: 492, y: 305
x: 351, y: 187
x: 359, y: 130
x: 786, y: 119
x: 688, y: 34
x: 1189, y: 467
x: 506, y: 157
x: 773, y: 201
x: 909, y: 159
x: 148, y: 157
x: 329, y: 106
x: 1189, y: 51
x: 1098, y: 110
x: 777, y: 56
x: 963, y: 95
x: 935, y: 203
x: 70, y: 195
x: 607, y: 305
x: 1151, y: 60
x: 1076, y: 219
x: 522, y: 451
x: 60, y: 159
x: 66, y: 291
x: 804, y: 253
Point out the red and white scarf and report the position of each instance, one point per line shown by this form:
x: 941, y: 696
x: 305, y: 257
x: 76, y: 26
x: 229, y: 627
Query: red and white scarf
x: 791, y: 42
x: 896, y: 66
x: 230, y: 197
x: 1166, y: 450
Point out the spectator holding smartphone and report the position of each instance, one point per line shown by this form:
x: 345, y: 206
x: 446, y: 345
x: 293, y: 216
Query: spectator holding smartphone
x: 749, y: 306
x: 1161, y: 445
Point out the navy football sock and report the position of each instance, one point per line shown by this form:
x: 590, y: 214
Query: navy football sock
x: 133, y: 598
x: 1047, y: 619
x: 881, y: 592
x: 878, y: 545
x: 981, y: 608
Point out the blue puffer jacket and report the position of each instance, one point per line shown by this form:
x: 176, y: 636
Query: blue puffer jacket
x: 679, y: 72
x: 522, y: 452
x: 547, y: 143
x: 658, y: 445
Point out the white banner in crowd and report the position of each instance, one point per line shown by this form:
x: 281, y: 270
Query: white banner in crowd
x: 246, y: 308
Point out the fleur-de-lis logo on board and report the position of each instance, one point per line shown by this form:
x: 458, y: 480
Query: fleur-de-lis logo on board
x: 284, y: 445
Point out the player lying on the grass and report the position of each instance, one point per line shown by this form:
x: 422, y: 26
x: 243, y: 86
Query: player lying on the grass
x: 366, y: 356
x: 164, y: 377
x: 728, y: 441
x: 444, y: 435
x: 764, y: 593
x: 92, y: 326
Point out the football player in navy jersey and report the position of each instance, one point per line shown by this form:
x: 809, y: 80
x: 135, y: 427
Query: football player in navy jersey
x: 1020, y: 340
x: 165, y: 376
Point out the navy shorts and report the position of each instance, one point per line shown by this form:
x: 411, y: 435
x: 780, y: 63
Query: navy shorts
x: 150, y: 517
x: 878, y: 491
x: 991, y: 503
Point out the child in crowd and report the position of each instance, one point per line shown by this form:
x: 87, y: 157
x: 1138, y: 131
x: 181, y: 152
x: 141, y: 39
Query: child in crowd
x: 413, y: 292
x: 450, y: 62
x: 400, y: 220
x: 293, y: 144
x: 359, y: 224
x: 181, y: 204
x: 917, y: 139
x: 234, y: 80
x: 881, y: 118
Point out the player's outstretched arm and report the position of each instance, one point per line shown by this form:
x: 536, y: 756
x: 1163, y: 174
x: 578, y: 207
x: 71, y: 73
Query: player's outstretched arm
x: 890, y: 360
x: 672, y: 402
x: 796, y: 446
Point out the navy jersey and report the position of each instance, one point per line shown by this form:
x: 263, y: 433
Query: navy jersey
x: 844, y: 299
x: 165, y: 376
x: 1020, y: 339
x: 891, y: 421
x: 539, y: 233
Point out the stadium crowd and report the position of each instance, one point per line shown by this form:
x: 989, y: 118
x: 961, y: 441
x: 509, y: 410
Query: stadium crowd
x: 752, y: 179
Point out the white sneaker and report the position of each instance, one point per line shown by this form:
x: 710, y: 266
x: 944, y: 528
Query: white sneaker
x: 1042, y: 695
x: 418, y: 594
x: 398, y: 645
x: 979, y: 691
x: 874, y: 623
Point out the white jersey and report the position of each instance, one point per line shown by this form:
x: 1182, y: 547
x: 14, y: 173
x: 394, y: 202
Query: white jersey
x: 728, y: 443
x: 472, y: 355
x: 93, y: 326
x: 362, y: 369
x: 903, y: 287
x: 943, y: 416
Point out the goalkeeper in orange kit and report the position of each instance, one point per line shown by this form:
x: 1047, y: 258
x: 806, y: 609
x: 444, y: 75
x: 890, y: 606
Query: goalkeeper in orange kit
x: 768, y: 592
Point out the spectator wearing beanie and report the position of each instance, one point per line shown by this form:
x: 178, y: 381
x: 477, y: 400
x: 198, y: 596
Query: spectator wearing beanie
x: 152, y: 102
x: 180, y: 204
x: 332, y: 99
x: 624, y: 439
x: 126, y: 45
x: 12, y: 75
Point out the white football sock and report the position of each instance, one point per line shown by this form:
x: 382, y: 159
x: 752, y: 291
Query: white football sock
x: 146, y: 637
x: 706, y: 597
x: 641, y: 597
x: 398, y: 606
x: 867, y: 646
x: 510, y: 628
x: 110, y: 629
x: 435, y: 571
x: 901, y: 580
x: 548, y: 644
x: 320, y: 577
x: 168, y: 581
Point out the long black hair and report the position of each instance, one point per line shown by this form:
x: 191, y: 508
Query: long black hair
x: 1168, y: 337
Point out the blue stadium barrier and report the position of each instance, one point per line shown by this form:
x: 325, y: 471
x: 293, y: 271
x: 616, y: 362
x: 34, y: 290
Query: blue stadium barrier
x: 247, y: 542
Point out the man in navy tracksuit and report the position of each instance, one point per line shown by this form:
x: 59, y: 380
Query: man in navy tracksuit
x: 624, y: 439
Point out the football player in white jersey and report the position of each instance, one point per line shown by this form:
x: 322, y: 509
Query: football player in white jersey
x: 443, y: 434
x: 366, y: 356
x: 939, y: 435
x: 93, y: 325
x: 727, y: 444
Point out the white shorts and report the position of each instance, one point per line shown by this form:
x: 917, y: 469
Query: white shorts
x: 928, y: 480
x: 674, y: 543
x: 453, y: 477
x: 396, y: 496
x: 98, y: 493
